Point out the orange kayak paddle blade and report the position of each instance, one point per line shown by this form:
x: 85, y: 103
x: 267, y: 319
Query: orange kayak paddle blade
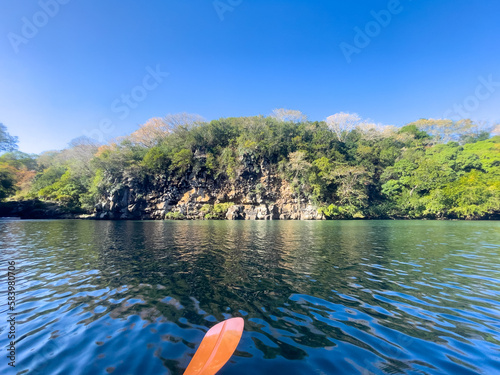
x: 217, y: 347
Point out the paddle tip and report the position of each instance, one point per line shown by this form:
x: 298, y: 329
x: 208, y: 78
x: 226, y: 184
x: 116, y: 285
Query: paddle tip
x: 235, y: 325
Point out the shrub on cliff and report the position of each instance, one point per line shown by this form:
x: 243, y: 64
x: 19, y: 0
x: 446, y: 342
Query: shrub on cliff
x: 216, y: 212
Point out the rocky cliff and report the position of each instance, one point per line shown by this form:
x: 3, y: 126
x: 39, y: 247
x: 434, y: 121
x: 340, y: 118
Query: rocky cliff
x: 256, y: 193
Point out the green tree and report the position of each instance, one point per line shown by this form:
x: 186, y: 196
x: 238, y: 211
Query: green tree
x: 7, y: 181
x: 7, y: 141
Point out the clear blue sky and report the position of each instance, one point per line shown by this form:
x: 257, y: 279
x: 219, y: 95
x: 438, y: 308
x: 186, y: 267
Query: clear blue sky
x: 63, y: 81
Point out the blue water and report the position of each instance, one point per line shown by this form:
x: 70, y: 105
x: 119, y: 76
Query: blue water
x: 344, y: 297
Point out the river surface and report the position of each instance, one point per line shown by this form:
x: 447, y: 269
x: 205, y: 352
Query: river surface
x: 336, y: 297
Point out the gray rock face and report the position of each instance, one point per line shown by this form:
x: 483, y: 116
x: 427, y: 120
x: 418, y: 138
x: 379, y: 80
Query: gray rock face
x: 236, y: 212
x: 257, y: 193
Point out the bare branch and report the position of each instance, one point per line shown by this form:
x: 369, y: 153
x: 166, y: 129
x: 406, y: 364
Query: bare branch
x: 288, y: 115
x: 343, y: 123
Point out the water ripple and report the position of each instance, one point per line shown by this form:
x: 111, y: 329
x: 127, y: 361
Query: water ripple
x: 317, y: 297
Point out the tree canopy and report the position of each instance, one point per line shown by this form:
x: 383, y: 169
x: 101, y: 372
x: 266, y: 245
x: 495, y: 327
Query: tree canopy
x: 348, y: 167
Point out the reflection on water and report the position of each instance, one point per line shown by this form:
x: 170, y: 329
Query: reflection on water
x: 317, y: 297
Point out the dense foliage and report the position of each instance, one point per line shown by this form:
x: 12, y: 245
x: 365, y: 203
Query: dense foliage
x: 345, y: 166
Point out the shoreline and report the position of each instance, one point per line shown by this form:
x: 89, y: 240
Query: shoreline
x: 43, y: 210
